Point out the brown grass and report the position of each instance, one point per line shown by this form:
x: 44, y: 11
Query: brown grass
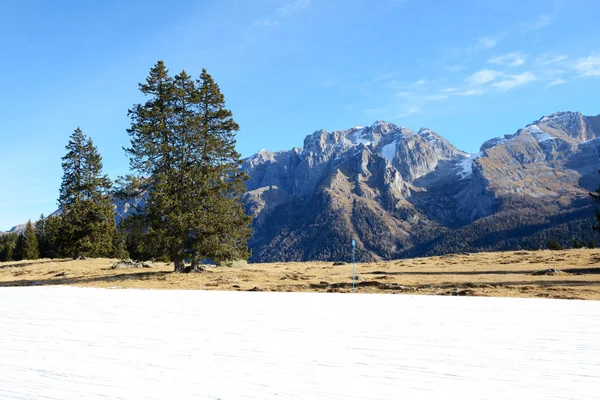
x: 506, y: 274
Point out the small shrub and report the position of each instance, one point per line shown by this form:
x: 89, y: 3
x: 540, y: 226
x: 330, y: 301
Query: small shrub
x: 553, y: 244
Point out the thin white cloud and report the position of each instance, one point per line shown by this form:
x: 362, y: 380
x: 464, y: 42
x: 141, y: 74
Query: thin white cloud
x: 540, y: 22
x: 413, y: 110
x: 588, y: 66
x: 290, y: 8
x: 284, y: 12
x: 487, y: 42
x: 420, y: 82
x: 482, y: 77
x: 435, y: 97
x: 455, y: 68
x: 515, y: 81
x: 549, y: 59
x: 555, y: 82
x: 513, y: 59
x: 471, y: 92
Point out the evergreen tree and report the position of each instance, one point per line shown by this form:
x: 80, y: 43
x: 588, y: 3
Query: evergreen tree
x: 19, y: 252
x: 8, y: 244
x: 30, y: 243
x: 87, y: 224
x: 183, y: 145
x: 42, y: 236
x: 52, y: 229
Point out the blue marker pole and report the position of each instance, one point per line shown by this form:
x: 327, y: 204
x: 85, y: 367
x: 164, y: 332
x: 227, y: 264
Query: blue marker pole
x: 353, y: 247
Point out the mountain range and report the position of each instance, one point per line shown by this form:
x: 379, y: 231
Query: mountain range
x: 401, y: 193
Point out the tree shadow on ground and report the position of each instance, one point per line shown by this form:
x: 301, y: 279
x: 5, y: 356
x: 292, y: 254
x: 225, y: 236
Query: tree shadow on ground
x: 66, y: 280
x: 583, y: 271
x: 28, y: 264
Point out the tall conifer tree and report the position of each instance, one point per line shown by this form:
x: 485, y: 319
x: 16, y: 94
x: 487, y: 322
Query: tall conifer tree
x: 88, y: 220
x: 30, y: 243
x: 183, y: 149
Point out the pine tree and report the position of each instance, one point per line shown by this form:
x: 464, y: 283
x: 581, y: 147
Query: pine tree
x: 52, y: 230
x: 87, y: 224
x: 41, y: 236
x: 222, y: 230
x: 30, y: 245
x: 8, y: 244
x: 183, y: 145
x: 19, y: 252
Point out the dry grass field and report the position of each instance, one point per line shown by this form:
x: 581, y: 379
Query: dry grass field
x: 505, y: 274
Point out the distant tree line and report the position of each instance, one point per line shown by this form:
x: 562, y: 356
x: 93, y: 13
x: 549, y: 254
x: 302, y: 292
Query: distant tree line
x: 183, y: 161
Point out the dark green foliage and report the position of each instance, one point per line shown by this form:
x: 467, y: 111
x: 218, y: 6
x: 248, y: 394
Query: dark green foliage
x: 30, y: 249
x: 41, y: 236
x: 8, y: 243
x: 591, y: 244
x: 19, y: 252
x: 183, y: 145
x: 577, y: 244
x: 553, y: 244
x: 87, y: 224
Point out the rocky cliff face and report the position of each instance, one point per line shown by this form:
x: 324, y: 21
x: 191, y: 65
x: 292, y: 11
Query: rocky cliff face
x: 399, y: 192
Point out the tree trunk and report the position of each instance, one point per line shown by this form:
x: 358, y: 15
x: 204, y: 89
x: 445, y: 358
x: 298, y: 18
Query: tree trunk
x: 179, y: 266
x: 196, y: 267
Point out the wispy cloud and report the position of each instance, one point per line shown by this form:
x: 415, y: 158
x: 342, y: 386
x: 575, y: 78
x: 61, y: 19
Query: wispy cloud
x: 540, y: 22
x: 382, y: 77
x: 487, y: 42
x: 555, y: 82
x: 513, y: 59
x: 454, y: 68
x: 515, y: 81
x: 420, y: 82
x: 435, y: 97
x: 282, y: 13
x: 482, y: 77
x: 549, y: 59
x: 588, y: 66
x: 471, y: 92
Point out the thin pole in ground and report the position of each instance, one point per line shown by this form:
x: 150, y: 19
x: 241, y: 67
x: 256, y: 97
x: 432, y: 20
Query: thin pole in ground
x: 353, y: 247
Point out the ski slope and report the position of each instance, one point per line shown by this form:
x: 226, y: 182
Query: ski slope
x: 76, y: 343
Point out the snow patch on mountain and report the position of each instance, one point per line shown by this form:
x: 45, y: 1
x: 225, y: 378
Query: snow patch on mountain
x: 389, y: 150
x: 537, y: 133
x: 428, y: 135
x: 465, y: 166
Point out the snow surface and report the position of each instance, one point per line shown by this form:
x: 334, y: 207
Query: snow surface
x: 537, y: 133
x: 75, y: 343
x: 465, y: 166
x: 389, y: 150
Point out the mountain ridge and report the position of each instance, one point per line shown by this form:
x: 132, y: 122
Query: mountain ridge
x: 411, y: 187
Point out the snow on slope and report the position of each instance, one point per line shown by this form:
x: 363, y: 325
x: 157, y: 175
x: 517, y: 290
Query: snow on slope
x: 537, y: 133
x: 389, y: 151
x: 75, y: 343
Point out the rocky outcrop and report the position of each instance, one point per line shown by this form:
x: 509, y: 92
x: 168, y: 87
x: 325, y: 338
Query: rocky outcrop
x: 394, y: 190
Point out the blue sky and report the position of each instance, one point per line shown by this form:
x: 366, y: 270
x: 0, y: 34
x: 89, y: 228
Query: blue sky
x: 470, y: 70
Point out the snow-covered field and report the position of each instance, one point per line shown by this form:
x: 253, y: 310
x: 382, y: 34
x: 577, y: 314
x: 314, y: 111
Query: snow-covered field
x: 74, y: 343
